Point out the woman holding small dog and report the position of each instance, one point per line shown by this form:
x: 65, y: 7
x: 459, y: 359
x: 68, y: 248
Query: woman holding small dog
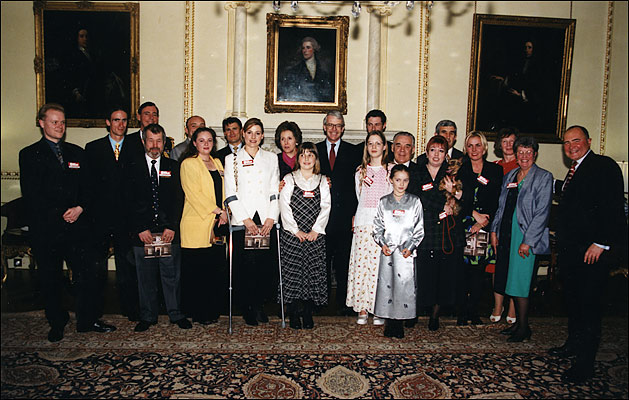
x: 481, y: 180
x: 440, y: 253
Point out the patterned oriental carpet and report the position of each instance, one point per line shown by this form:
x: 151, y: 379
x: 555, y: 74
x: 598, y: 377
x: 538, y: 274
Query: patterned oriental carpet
x: 337, y: 359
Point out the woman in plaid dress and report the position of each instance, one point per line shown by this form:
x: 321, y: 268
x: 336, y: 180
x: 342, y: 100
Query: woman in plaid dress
x: 305, y: 204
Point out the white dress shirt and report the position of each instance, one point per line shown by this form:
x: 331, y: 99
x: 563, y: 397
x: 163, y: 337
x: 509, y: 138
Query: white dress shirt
x: 297, y: 179
x: 149, y: 164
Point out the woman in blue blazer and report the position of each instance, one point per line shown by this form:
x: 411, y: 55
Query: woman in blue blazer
x: 519, y: 231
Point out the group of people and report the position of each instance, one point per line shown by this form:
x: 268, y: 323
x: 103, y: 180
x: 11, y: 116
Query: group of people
x: 396, y: 236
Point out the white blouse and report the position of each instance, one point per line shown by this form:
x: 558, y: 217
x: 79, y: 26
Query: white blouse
x: 288, y: 221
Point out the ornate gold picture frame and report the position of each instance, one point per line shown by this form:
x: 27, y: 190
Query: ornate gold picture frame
x: 520, y: 75
x: 306, y: 64
x: 87, y: 58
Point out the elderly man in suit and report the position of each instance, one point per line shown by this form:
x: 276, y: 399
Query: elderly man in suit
x: 592, y: 235
x: 107, y: 159
x: 447, y: 129
x: 155, y: 201
x: 339, y: 160
x: 192, y: 124
x: 54, y: 187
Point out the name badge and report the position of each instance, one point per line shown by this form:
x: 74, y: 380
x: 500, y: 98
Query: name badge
x: 368, y: 181
x: 512, y: 185
x: 164, y: 174
x: 442, y: 215
x: 482, y: 180
x: 309, y: 194
x: 74, y: 165
x: 398, y: 213
x: 247, y: 163
x: 427, y: 186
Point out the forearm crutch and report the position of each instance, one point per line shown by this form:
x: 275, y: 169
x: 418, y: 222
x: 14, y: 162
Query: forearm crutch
x: 279, y: 263
x: 230, y: 251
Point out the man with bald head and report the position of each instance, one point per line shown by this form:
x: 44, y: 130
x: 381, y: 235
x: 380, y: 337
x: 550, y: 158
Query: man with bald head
x: 192, y: 124
x: 591, y: 237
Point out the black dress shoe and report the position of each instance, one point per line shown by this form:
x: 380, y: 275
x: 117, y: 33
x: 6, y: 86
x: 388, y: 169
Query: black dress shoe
x: 410, y: 323
x: 250, y: 318
x: 433, y: 324
x: 294, y: 322
x: 398, y: 329
x: 577, y: 374
x: 520, y: 336
x: 261, y: 316
x: 143, y: 326
x: 475, y: 320
x: 388, y: 329
x: 562, y: 351
x: 55, y: 334
x: 98, y: 326
x: 205, y: 321
x: 510, y: 330
x: 461, y: 320
x: 308, y: 321
x: 183, y: 323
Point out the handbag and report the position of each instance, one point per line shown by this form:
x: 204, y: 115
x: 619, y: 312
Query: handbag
x: 476, y: 245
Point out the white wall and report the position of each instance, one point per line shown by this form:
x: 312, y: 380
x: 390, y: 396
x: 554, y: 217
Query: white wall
x: 162, y: 70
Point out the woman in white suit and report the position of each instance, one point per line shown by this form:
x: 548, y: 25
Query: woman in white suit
x: 251, y: 192
x: 519, y: 231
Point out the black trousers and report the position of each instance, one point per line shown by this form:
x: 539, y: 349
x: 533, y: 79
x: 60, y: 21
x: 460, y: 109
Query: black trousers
x: 203, y: 286
x: 470, y: 289
x: 338, y: 246
x: 583, y: 287
x: 79, y: 257
x: 126, y: 274
x: 255, y: 273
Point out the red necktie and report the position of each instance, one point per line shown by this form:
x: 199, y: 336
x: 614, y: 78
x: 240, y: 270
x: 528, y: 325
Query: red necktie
x: 332, y: 156
x: 573, y: 168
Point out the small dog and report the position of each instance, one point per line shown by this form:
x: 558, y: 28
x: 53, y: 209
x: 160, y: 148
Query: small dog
x: 452, y: 171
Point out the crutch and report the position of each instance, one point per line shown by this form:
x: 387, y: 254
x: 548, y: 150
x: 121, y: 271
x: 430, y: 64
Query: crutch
x: 279, y: 263
x: 230, y: 250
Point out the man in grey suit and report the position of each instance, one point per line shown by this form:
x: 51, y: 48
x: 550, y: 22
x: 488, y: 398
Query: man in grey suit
x: 192, y: 124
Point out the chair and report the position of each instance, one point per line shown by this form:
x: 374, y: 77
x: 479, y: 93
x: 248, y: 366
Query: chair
x: 15, y: 241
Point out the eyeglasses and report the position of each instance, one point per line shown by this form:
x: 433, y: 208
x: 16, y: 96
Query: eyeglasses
x: 337, y: 126
x: 526, y: 152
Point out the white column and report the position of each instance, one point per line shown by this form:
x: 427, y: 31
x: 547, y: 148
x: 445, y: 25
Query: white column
x: 240, y: 61
x: 373, y: 60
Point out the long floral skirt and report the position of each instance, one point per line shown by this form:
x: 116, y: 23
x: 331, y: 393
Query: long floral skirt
x: 362, y: 275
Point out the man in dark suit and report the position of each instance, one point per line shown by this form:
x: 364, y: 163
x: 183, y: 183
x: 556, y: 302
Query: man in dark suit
x: 447, y: 129
x: 107, y: 160
x: 232, y: 131
x: 403, y: 149
x: 148, y: 113
x: 338, y: 161
x: 592, y: 236
x: 375, y: 120
x: 155, y: 201
x: 54, y: 188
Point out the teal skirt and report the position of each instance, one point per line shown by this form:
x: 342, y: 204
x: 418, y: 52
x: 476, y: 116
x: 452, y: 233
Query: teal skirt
x: 520, y: 269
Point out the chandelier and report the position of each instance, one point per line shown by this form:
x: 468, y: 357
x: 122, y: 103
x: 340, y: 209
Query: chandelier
x: 356, y: 7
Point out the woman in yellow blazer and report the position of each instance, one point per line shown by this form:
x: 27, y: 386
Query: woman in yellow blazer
x: 202, y: 263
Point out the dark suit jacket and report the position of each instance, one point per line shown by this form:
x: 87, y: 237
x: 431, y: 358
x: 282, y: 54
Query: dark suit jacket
x: 49, y: 190
x: 487, y: 195
x: 134, y: 140
x: 456, y: 154
x: 413, y: 185
x: 105, y: 174
x: 140, y: 202
x: 224, y: 152
x: 344, y: 199
x: 591, y: 209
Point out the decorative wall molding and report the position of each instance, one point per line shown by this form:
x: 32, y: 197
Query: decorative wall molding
x: 422, y: 91
x: 608, y: 49
x: 10, y: 175
x: 188, y: 71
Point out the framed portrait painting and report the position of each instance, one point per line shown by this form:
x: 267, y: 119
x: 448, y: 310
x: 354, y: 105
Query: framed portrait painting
x: 87, y: 58
x: 520, y: 75
x: 306, y: 64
